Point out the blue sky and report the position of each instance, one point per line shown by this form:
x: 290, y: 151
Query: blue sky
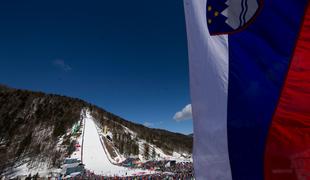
x: 128, y: 57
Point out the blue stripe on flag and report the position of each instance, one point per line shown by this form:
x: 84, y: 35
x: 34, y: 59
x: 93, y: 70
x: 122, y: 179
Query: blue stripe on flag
x: 258, y: 62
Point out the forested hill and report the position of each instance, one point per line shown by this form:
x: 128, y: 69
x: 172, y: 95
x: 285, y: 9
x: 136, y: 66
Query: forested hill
x: 34, y: 128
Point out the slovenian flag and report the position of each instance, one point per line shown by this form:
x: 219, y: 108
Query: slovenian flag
x: 250, y: 86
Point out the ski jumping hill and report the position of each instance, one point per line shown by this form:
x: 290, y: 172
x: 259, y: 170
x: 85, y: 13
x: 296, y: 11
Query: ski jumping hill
x: 39, y: 131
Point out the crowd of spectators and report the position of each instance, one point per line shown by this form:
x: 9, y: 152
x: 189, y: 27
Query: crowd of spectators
x: 157, y: 176
x: 182, y: 167
x: 165, y: 170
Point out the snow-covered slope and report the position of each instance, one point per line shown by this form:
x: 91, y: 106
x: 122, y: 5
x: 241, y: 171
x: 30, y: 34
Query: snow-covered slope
x: 94, y: 155
x: 36, y: 134
x: 159, y: 153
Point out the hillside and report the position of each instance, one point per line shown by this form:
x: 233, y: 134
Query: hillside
x: 35, y: 130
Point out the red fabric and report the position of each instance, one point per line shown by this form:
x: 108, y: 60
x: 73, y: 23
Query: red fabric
x: 287, y: 154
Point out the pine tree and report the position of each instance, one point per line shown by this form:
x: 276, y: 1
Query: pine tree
x: 146, y: 151
x: 153, y: 153
x: 135, y: 149
x: 121, y: 148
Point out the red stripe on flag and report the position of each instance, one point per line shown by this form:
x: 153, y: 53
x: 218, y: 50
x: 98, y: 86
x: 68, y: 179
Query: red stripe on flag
x: 288, y: 146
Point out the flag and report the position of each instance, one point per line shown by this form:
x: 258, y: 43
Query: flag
x: 250, y: 87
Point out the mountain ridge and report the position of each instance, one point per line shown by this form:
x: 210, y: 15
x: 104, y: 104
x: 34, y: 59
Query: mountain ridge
x: 33, y: 122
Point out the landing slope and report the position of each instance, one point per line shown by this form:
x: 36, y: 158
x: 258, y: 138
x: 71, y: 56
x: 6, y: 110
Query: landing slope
x: 94, y: 156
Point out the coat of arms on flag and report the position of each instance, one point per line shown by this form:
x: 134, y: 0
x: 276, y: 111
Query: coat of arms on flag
x: 224, y: 17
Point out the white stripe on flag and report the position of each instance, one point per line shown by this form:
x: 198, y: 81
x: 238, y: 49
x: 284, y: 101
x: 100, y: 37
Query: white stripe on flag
x: 208, y: 60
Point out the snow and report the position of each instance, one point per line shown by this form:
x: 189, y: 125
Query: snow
x: 93, y: 153
x: 162, y: 156
x: 77, y: 154
x: 94, y: 156
x: 119, y: 157
x: 42, y: 169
